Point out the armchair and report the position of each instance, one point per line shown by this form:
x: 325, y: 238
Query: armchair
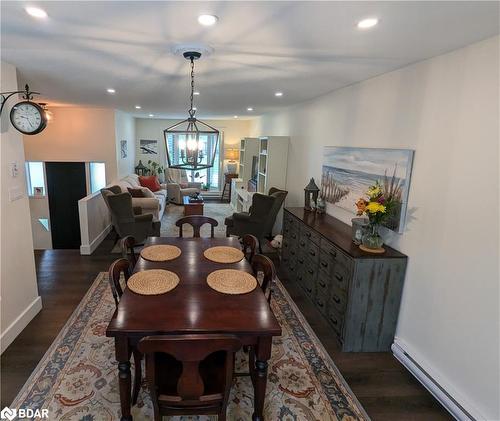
x: 125, y: 221
x: 178, y: 186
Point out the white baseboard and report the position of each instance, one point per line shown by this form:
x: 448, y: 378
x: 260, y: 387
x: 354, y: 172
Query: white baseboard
x: 18, y: 325
x: 87, y: 249
x: 456, y: 405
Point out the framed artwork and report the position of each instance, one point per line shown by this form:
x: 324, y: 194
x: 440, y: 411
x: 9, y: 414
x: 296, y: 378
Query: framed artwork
x: 148, y: 147
x: 348, y: 172
x: 123, y: 148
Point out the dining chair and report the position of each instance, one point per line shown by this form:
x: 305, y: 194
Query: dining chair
x: 116, y: 270
x: 189, y: 374
x: 197, y: 221
x: 264, y: 270
x: 249, y: 245
x: 128, y: 252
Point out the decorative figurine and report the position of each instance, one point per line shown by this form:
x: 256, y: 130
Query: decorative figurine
x: 320, y: 205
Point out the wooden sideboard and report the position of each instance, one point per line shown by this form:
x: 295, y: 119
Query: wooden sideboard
x: 357, y: 292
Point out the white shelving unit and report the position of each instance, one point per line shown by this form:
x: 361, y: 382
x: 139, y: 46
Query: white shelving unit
x: 249, y: 147
x: 273, y: 160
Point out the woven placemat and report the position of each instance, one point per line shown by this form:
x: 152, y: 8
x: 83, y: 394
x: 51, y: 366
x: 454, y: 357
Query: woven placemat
x: 231, y: 281
x: 160, y: 253
x: 224, y: 254
x: 153, y: 282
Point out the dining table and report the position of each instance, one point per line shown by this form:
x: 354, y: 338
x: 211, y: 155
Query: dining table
x: 193, y: 307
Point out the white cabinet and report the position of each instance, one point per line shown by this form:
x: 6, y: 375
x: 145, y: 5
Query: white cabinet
x: 249, y: 148
x: 273, y: 161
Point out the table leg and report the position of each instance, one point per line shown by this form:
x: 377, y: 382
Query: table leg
x: 262, y: 355
x: 122, y: 350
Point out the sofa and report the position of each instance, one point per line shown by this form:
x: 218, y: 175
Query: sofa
x: 178, y: 185
x: 153, y: 202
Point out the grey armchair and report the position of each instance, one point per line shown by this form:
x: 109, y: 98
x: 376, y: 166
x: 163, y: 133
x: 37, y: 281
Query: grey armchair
x: 125, y: 221
x: 178, y: 185
x: 260, y: 219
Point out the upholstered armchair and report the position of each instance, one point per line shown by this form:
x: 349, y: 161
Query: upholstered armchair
x: 260, y: 219
x: 178, y: 186
x: 127, y: 222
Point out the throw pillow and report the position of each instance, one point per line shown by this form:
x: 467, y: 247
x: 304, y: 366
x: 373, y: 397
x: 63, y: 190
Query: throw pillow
x: 150, y: 181
x: 135, y: 192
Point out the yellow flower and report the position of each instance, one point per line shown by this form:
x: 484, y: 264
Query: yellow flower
x: 375, y: 207
x: 374, y: 191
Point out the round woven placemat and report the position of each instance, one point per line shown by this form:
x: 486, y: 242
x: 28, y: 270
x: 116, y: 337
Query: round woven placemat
x: 379, y: 250
x: 223, y: 254
x: 153, y: 282
x: 160, y: 253
x: 231, y: 281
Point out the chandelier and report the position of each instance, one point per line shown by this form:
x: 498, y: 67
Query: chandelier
x: 191, y: 144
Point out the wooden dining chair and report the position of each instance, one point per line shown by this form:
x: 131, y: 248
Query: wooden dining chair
x: 197, y: 221
x: 128, y: 252
x: 116, y: 270
x: 249, y: 245
x: 189, y: 374
x: 265, y: 272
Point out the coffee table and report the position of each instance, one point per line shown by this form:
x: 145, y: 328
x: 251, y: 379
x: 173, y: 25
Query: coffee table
x: 195, y: 208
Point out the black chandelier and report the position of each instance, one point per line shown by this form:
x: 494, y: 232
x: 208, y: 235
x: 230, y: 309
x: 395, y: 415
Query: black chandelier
x: 191, y: 144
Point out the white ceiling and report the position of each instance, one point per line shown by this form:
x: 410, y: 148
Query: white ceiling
x: 304, y: 49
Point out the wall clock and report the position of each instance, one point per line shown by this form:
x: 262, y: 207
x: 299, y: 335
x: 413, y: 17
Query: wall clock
x: 28, y: 117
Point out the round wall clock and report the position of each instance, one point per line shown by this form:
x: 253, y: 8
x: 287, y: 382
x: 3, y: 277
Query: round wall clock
x: 28, y: 117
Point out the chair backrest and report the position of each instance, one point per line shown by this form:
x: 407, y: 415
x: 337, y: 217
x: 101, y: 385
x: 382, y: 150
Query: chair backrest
x: 261, y: 207
x: 118, y: 267
x: 109, y: 191
x: 263, y: 268
x: 177, y: 176
x: 128, y: 252
x: 192, y: 352
x: 120, y: 206
x: 197, y: 221
x: 249, y: 245
x: 279, y: 197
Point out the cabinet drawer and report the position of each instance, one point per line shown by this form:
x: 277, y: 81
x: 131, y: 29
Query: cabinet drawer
x: 313, y: 254
x: 321, y: 305
x: 338, y: 299
x: 290, y: 221
x: 336, y: 321
x: 323, y: 285
x: 310, y: 234
x: 334, y: 253
x: 340, y: 278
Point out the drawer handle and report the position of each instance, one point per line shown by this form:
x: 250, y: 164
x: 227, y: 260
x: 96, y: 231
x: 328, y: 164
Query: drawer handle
x: 312, y: 253
x: 322, y: 284
x: 302, y: 243
x: 292, y: 252
x: 308, y: 234
x: 301, y: 261
x: 294, y: 236
x: 319, y: 303
x: 334, y: 321
x: 310, y: 271
x: 336, y: 299
x: 333, y: 253
x: 325, y: 265
x: 308, y: 290
x: 300, y: 278
x: 339, y: 277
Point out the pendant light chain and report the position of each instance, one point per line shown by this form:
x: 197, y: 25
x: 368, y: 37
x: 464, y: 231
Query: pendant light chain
x: 191, y: 110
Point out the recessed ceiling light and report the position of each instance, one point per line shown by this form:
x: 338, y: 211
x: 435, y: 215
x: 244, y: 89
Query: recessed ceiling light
x: 278, y: 94
x: 367, y: 23
x: 110, y: 91
x: 235, y: 116
x: 151, y: 115
x: 249, y: 109
x: 196, y: 93
x: 207, y: 20
x: 36, y: 12
x: 138, y: 107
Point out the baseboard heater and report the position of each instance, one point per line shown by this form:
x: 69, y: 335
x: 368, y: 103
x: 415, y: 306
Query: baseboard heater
x: 451, y: 405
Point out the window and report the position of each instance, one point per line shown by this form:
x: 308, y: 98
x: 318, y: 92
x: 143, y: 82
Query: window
x: 97, y: 176
x: 35, y: 179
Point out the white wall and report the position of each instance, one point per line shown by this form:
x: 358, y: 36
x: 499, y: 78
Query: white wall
x: 18, y: 291
x: 445, y: 108
x: 125, y: 130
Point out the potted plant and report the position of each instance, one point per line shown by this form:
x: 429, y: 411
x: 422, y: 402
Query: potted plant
x: 379, y: 207
x: 157, y: 170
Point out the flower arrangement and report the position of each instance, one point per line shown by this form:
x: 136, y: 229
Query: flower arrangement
x: 379, y: 207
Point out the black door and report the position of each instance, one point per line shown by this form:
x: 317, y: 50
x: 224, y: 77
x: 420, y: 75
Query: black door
x: 66, y: 185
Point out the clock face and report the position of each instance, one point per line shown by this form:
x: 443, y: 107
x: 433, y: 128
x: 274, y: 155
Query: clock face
x: 28, y: 117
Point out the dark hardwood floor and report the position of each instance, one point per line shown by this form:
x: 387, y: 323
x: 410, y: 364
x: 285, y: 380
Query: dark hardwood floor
x: 382, y: 385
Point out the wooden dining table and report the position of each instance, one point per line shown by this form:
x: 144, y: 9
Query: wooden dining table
x: 193, y: 307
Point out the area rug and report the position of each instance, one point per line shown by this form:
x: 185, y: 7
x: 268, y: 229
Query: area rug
x: 77, y: 379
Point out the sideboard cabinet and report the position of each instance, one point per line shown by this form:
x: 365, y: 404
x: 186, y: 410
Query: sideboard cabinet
x: 357, y: 292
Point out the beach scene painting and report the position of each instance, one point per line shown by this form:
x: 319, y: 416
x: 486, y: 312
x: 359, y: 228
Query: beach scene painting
x: 347, y: 174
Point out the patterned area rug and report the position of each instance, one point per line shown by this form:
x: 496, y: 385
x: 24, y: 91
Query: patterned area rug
x: 77, y: 378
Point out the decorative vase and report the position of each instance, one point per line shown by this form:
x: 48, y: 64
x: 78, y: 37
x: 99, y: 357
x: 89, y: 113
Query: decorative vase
x: 372, y: 239
x: 359, y: 226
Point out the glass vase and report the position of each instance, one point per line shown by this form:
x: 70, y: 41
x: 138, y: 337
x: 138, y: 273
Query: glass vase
x: 371, y: 238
